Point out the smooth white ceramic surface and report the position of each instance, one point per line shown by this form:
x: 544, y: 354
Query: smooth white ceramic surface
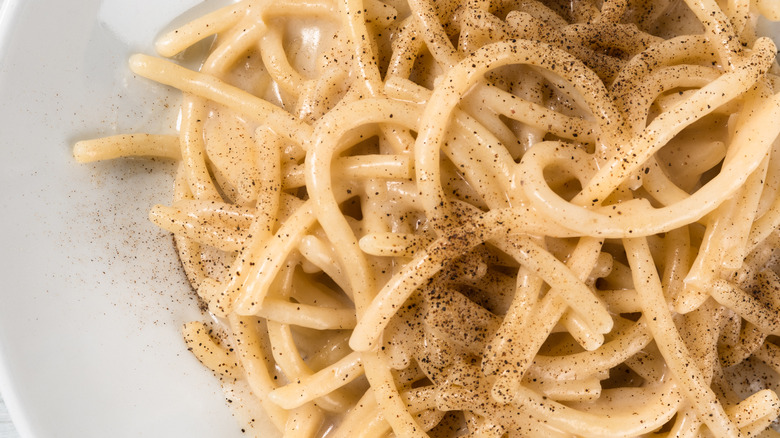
x: 92, y: 296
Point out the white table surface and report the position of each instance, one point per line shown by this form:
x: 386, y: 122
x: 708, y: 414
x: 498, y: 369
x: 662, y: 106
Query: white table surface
x: 7, y: 429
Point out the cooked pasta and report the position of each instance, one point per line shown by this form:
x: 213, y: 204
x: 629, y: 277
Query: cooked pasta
x: 480, y: 218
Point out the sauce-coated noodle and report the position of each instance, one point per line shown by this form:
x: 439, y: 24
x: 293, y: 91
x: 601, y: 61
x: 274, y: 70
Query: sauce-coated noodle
x: 481, y: 218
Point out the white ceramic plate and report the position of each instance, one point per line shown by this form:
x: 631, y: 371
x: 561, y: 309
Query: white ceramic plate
x: 91, y: 296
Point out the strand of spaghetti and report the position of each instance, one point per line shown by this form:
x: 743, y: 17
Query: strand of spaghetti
x: 364, y: 58
x: 458, y: 79
x: 588, y: 363
x: 220, y: 212
x: 584, y: 12
x: 193, y: 149
x: 319, y: 384
x: 254, y: 361
x: 526, y: 296
x: 392, y: 244
x: 209, y: 87
x: 483, y: 5
x: 624, y: 37
x: 620, y: 300
x: 534, y: 411
x: 531, y: 113
x: 188, y: 251
x: 484, y: 428
x: 317, y: 96
x: 771, y: 187
x: 363, y: 417
x: 718, y: 28
x: 756, y: 263
x: 363, y: 53
x: 433, y: 33
x: 429, y: 418
x: 668, y: 124
x: 581, y: 331
x: 525, y: 26
x: 210, y: 24
x: 234, y: 42
x: 322, y: 257
x: 303, y: 315
x: 747, y: 206
x: 357, y: 167
x: 539, y: 11
x: 199, y: 341
x: 659, y: 186
x: 303, y: 422
x: 769, y: 353
x: 637, y: 218
x: 226, y: 54
x: 612, y: 10
x: 127, y: 145
x: 398, y: 166
x: 648, y: 366
x: 583, y: 390
x: 747, y: 306
x: 489, y: 118
x: 683, y: 49
x: 620, y: 421
x: 755, y: 413
x: 479, y: 27
x: 750, y: 340
x: 275, y: 60
x: 738, y: 12
x: 687, y: 375
x: 406, y: 47
x: 700, y: 330
x: 306, y: 8
x: 707, y: 266
x: 687, y: 425
x: 764, y: 226
x: 660, y: 81
x: 380, y: 14
x: 375, y: 212
x: 325, y: 350
x: 222, y: 231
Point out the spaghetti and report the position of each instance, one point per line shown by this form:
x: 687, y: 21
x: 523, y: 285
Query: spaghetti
x: 481, y: 218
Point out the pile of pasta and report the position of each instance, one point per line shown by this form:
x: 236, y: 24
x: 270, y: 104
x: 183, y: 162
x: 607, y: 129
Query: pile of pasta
x: 481, y: 218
